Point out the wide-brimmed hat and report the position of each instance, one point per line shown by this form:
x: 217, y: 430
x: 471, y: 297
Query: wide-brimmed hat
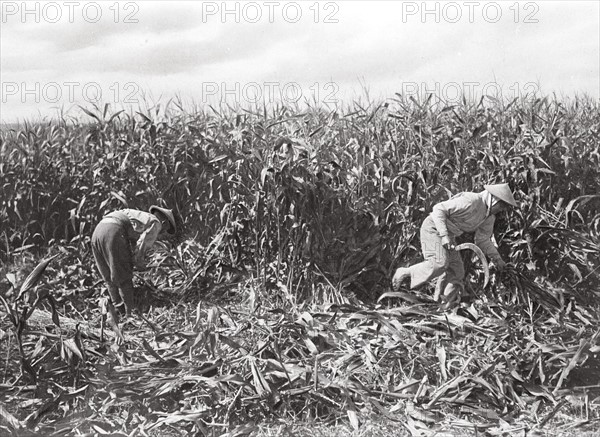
x: 502, y: 192
x: 168, y: 214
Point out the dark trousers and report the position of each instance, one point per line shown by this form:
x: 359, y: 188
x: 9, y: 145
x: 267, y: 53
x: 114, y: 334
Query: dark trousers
x: 114, y: 259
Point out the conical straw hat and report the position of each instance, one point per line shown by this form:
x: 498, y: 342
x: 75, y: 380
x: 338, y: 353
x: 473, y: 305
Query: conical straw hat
x: 502, y: 192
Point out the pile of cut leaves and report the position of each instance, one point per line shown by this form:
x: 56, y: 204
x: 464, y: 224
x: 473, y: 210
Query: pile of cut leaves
x: 500, y: 365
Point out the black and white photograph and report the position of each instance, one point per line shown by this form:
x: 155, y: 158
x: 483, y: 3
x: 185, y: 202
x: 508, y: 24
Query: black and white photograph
x: 304, y: 218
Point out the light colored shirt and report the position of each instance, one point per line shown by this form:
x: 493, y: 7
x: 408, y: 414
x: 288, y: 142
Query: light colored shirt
x: 146, y: 227
x: 467, y: 212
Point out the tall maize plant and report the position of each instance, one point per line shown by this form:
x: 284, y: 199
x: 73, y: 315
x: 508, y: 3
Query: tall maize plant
x: 313, y: 203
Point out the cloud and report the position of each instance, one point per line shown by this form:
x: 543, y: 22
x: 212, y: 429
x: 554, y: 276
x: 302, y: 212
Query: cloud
x: 148, y: 55
x: 175, y: 48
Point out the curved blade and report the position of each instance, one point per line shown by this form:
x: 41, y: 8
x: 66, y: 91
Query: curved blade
x: 481, y: 257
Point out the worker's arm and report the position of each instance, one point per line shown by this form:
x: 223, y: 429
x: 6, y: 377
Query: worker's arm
x: 443, y: 211
x: 146, y: 241
x: 483, y: 239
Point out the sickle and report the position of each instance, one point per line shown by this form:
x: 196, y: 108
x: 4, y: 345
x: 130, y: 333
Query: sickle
x: 481, y: 257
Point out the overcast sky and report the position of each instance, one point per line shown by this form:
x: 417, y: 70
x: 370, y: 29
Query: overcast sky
x: 63, y: 54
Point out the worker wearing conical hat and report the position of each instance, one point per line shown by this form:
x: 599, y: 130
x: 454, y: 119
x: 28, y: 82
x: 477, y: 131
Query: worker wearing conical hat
x: 465, y: 212
x: 120, y: 242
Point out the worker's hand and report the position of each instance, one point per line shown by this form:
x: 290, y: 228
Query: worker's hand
x: 448, y: 243
x: 140, y: 266
x: 500, y: 264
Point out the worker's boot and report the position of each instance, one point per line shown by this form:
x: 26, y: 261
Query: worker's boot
x: 401, y: 275
x: 451, y: 297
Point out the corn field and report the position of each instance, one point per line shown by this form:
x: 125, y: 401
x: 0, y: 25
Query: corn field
x: 269, y: 305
